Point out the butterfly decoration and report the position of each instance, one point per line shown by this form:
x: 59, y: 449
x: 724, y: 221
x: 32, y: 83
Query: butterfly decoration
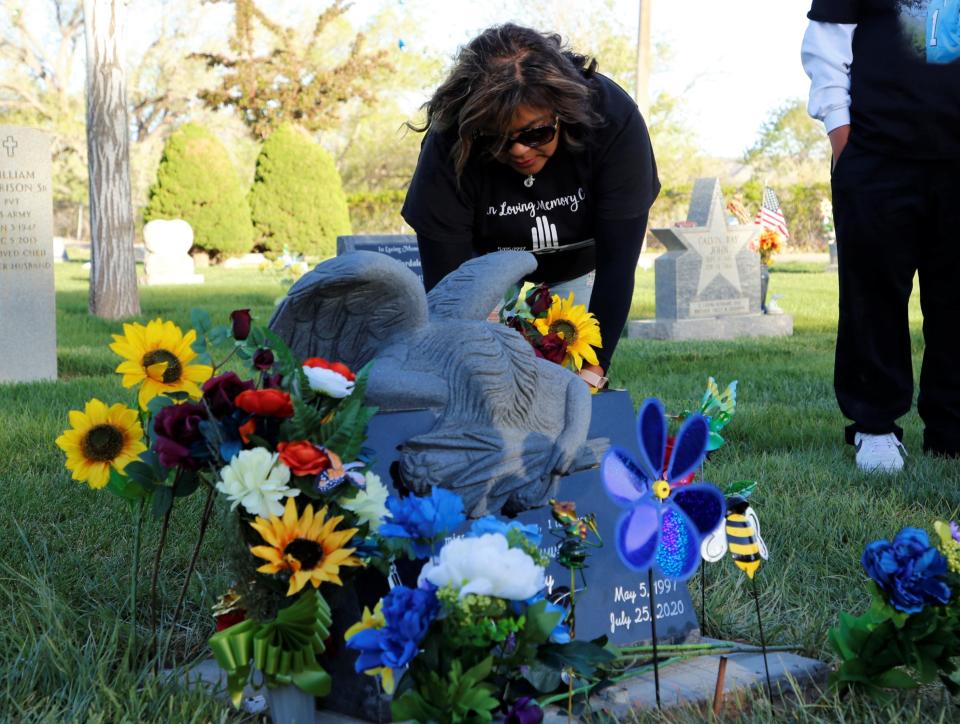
x: 665, y: 522
x: 338, y: 474
x: 719, y: 409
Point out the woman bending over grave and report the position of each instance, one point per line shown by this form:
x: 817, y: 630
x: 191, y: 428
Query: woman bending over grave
x: 528, y: 147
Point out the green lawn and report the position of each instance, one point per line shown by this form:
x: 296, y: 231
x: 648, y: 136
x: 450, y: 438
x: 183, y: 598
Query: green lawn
x: 66, y: 549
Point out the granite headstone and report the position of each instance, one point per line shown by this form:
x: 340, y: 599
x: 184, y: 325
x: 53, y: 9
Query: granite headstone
x: 27, y: 301
x: 708, y: 281
x: 402, y: 247
x: 616, y: 600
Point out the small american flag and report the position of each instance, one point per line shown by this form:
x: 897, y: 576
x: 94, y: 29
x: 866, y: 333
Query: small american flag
x: 770, y: 215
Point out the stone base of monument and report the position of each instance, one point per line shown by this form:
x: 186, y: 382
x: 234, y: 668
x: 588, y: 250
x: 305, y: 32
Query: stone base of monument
x: 730, y: 327
x: 690, y: 683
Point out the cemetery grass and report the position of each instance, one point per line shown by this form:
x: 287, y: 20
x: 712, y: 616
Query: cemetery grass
x: 65, y: 568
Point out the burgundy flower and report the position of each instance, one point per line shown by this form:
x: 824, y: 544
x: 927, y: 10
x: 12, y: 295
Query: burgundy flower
x: 241, y: 323
x: 272, y: 382
x: 180, y: 441
x: 539, y: 299
x: 524, y: 711
x: 263, y: 359
x: 552, y: 348
x: 220, y: 392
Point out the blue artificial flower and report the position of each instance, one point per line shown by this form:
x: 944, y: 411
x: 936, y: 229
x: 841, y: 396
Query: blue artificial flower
x: 665, y: 522
x: 424, y: 521
x: 491, y: 524
x: 561, y: 632
x: 909, y: 570
x: 408, y: 613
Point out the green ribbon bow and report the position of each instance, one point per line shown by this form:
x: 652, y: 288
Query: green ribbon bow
x: 284, y: 649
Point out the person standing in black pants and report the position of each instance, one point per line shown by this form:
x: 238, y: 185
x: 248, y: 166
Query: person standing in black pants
x: 886, y: 83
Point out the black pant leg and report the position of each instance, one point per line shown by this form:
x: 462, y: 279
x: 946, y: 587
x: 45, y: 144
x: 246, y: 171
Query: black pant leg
x: 939, y: 400
x: 878, y: 205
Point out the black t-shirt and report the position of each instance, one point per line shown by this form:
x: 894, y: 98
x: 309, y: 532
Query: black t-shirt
x: 905, y: 77
x: 612, y: 177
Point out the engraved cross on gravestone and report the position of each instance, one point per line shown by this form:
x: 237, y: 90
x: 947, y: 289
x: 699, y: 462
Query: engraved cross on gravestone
x: 27, y: 303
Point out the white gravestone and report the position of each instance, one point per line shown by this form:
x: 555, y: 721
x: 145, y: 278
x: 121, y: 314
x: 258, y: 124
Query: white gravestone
x: 28, y: 315
x: 167, y: 259
x: 708, y: 282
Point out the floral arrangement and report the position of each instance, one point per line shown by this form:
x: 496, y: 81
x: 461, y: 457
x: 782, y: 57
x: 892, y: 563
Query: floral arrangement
x: 769, y: 244
x: 478, y: 636
x: 558, y: 329
x: 910, y: 636
x: 281, y: 443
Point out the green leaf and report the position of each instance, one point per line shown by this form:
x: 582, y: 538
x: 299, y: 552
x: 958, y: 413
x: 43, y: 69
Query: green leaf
x: 200, y: 321
x: 162, y: 500
x: 896, y: 679
x: 582, y: 656
x: 543, y: 678
x: 743, y: 488
x: 125, y: 487
x: 187, y: 483
x: 540, y: 623
x: 158, y: 403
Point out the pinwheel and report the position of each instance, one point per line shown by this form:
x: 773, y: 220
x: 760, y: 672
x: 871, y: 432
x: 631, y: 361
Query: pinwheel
x: 664, y: 523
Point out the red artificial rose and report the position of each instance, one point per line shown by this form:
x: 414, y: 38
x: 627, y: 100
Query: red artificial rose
x: 269, y: 403
x: 552, y: 348
x: 263, y: 359
x: 539, y: 299
x: 667, y: 455
x: 303, y: 458
x: 337, y: 367
x: 226, y: 620
x: 241, y: 320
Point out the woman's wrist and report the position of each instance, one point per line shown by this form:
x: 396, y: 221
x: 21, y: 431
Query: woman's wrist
x: 593, y: 376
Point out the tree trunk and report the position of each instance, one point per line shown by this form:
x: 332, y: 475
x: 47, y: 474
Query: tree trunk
x: 643, y: 59
x: 113, y: 273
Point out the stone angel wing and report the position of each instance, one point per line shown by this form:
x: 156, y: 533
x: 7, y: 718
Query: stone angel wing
x: 474, y: 290
x: 349, y: 308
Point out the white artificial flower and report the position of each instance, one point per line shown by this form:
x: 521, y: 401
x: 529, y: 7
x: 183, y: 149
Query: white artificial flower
x: 328, y: 382
x: 257, y: 481
x: 487, y: 566
x: 369, y: 504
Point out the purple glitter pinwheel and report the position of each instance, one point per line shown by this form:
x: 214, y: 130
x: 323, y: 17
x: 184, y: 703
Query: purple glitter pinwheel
x: 664, y: 522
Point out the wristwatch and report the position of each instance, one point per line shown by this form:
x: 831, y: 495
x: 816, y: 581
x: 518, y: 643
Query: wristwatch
x: 593, y: 379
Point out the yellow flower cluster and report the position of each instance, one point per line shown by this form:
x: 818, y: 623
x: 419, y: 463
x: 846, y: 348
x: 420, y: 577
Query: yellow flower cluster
x: 949, y: 546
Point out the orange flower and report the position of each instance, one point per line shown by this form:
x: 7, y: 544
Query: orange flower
x: 303, y: 458
x: 270, y: 403
x: 247, y: 429
x: 337, y: 367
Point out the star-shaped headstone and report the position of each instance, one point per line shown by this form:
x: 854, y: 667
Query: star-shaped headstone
x: 708, y: 234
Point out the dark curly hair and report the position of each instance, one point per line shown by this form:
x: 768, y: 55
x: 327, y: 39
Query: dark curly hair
x: 503, y: 68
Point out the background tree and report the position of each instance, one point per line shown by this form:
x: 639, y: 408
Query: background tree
x: 197, y: 182
x: 275, y: 76
x: 113, y: 273
x: 297, y: 199
x: 791, y: 147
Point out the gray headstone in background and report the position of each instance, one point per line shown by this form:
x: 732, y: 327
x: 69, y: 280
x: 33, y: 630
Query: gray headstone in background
x: 402, y: 247
x: 708, y: 281
x: 27, y: 302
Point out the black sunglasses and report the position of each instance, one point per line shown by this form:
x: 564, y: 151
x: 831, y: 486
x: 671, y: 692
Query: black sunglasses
x: 531, y: 138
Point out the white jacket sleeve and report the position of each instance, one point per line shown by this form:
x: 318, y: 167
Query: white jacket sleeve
x: 827, y: 54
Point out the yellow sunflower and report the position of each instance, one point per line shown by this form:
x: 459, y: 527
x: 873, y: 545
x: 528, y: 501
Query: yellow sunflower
x: 373, y: 620
x: 576, y: 326
x: 309, y: 546
x: 159, y: 356
x: 101, y: 437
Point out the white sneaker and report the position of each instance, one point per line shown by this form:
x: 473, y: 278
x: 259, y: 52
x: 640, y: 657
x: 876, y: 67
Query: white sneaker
x: 879, y: 453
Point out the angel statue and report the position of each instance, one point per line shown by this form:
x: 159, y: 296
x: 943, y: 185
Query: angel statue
x: 508, y: 424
